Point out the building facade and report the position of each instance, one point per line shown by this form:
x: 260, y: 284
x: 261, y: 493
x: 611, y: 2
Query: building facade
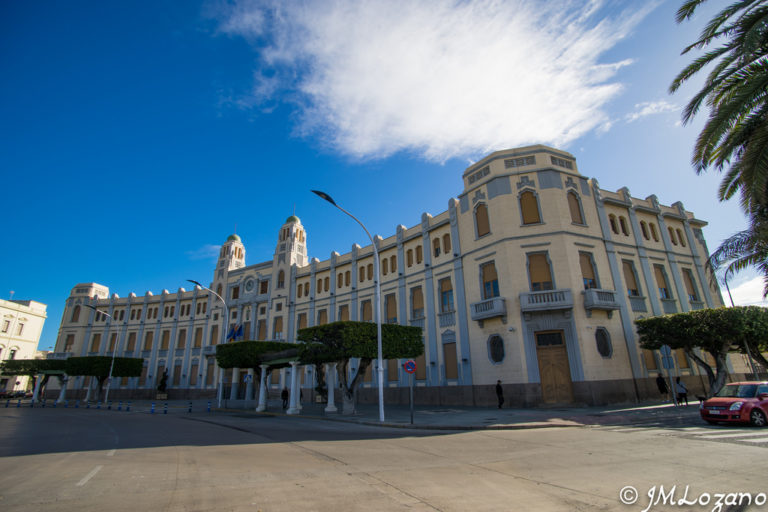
x: 532, y: 276
x: 21, y: 323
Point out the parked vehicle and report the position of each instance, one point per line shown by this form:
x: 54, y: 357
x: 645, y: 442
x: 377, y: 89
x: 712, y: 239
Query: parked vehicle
x: 738, y: 402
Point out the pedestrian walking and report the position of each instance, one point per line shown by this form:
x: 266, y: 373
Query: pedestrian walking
x: 284, y: 396
x: 661, y: 382
x: 499, y: 393
x: 682, y: 391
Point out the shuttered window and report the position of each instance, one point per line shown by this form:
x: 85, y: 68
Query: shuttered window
x: 540, y: 273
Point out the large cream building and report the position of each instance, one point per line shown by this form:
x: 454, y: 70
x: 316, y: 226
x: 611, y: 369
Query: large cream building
x: 21, y: 323
x: 532, y: 276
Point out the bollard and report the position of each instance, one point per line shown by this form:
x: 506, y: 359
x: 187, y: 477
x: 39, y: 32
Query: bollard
x: 18, y: 404
x: 190, y: 407
x: 77, y: 404
x: 88, y: 404
x: 152, y: 410
x: 120, y: 405
x: 165, y: 408
x: 109, y: 405
x: 128, y: 406
x: 209, y: 406
x: 98, y: 404
x: 54, y: 404
x: 66, y: 404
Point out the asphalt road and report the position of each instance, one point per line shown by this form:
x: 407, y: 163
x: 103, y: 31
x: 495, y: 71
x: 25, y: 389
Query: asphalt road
x: 64, y: 459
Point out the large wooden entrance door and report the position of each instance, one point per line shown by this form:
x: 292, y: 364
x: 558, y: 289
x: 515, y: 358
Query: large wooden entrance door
x: 555, y: 374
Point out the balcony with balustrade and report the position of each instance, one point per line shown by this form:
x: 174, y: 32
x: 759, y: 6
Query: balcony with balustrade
x: 489, y: 308
x: 548, y: 300
x: 602, y: 300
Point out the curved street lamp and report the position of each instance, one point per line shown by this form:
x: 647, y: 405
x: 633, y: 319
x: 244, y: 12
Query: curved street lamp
x: 226, y: 321
x: 114, y: 351
x: 328, y: 198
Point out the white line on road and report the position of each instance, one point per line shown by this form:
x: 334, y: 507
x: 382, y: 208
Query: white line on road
x: 725, y: 435
x: 111, y: 452
x: 758, y: 440
x: 89, y: 476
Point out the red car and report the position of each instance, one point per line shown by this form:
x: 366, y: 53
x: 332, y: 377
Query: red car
x: 739, y: 402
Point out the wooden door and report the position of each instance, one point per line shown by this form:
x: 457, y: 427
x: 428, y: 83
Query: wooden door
x: 555, y: 374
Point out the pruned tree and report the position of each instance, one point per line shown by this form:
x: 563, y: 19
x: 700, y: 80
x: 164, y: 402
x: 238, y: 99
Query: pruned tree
x: 716, y: 331
x: 340, y: 342
x: 98, y: 367
x: 252, y: 354
x: 33, y: 368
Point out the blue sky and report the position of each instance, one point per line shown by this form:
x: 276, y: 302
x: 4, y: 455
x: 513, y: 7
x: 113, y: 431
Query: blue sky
x: 136, y: 136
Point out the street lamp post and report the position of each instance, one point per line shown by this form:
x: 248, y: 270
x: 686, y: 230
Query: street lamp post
x: 114, y: 351
x: 226, y: 322
x: 328, y: 198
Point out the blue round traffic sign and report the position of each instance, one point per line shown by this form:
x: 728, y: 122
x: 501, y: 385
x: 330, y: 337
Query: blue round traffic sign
x: 410, y: 366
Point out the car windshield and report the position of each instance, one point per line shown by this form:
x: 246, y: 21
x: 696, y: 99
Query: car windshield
x: 738, y: 391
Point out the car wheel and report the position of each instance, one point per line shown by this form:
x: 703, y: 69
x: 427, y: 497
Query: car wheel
x: 757, y: 418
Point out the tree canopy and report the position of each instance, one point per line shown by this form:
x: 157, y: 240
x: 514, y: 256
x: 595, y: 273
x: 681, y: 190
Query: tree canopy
x: 98, y: 366
x: 251, y: 354
x: 32, y: 367
x: 716, y: 331
x: 341, y: 341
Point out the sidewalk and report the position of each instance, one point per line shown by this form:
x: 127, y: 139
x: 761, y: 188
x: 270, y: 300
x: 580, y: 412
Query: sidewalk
x: 474, y: 418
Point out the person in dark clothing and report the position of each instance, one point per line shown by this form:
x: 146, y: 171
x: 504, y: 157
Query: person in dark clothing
x: 284, y: 396
x: 682, y: 392
x: 662, y: 385
x: 499, y: 393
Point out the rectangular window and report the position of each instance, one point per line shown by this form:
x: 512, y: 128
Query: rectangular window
x: 682, y: 360
x: 181, y: 342
x: 302, y: 321
x: 165, y: 340
x: 262, y: 325
x: 366, y: 311
x: 417, y: 302
x: 177, y: 375
x: 148, y: 340
x: 263, y: 287
x: 587, y: 270
x: 6, y: 325
x: 235, y: 292
x: 690, y: 285
x: 214, y: 335
x: 421, y: 367
x: 344, y: 312
x: 539, y: 272
x: 20, y: 329
x: 449, y: 357
x: 390, y: 308
x: 650, y: 361
x: 210, y: 371
x: 96, y: 343
x: 392, y: 370
x: 490, y: 280
x: 69, y: 342
x: 131, y: 342
x: 193, y: 371
x: 446, y: 295
x: 198, y: 337
x: 277, y: 331
x: 630, y: 279
x: 112, y: 342
x: 661, y: 282
x: 322, y: 317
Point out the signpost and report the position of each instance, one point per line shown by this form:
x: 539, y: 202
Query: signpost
x: 410, y: 367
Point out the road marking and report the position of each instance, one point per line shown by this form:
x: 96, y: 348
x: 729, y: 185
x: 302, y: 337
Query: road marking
x: 725, y: 435
x: 111, y: 452
x: 758, y: 440
x: 89, y: 476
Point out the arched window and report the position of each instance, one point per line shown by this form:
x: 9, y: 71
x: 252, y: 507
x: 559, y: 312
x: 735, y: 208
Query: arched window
x: 362, y: 274
x: 419, y: 254
x: 644, y: 229
x: 327, y: 283
x: 614, y: 225
x: 384, y: 266
x: 319, y: 285
x: 436, y: 247
x: 370, y: 271
x: 482, y: 224
x: 672, y: 236
x: 574, y: 205
x: 393, y: 263
x: 340, y: 281
x: 409, y: 257
x: 680, y: 237
x: 529, y: 208
x: 653, y: 232
x: 218, y: 289
x: 624, y: 227
x: 346, y: 278
x: 300, y: 290
x: 281, y: 279
x: 76, y: 314
x: 446, y: 243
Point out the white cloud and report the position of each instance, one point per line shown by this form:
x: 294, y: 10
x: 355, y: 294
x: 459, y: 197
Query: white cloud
x: 442, y: 78
x: 649, y: 108
x: 748, y: 293
x: 206, y: 252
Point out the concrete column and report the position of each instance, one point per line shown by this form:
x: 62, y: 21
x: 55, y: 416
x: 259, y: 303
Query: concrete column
x: 293, y: 404
x: 63, y: 392
x: 330, y: 382
x: 249, y: 385
x: 262, y: 389
x: 235, y: 384
x: 39, y: 381
x: 88, y: 391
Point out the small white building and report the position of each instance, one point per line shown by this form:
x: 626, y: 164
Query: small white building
x: 21, y: 323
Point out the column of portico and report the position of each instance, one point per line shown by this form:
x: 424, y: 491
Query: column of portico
x: 235, y: 384
x: 63, y: 392
x: 262, y: 389
x: 293, y: 405
x: 249, y: 385
x: 37, y: 386
x: 330, y: 381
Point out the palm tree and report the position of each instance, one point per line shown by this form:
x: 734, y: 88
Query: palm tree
x: 735, y: 136
x: 747, y: 248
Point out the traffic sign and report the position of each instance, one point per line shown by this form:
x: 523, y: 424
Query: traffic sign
x: 410, y: 366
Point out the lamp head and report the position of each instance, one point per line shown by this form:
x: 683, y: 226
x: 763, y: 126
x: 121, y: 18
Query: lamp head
x: 325, y: 196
